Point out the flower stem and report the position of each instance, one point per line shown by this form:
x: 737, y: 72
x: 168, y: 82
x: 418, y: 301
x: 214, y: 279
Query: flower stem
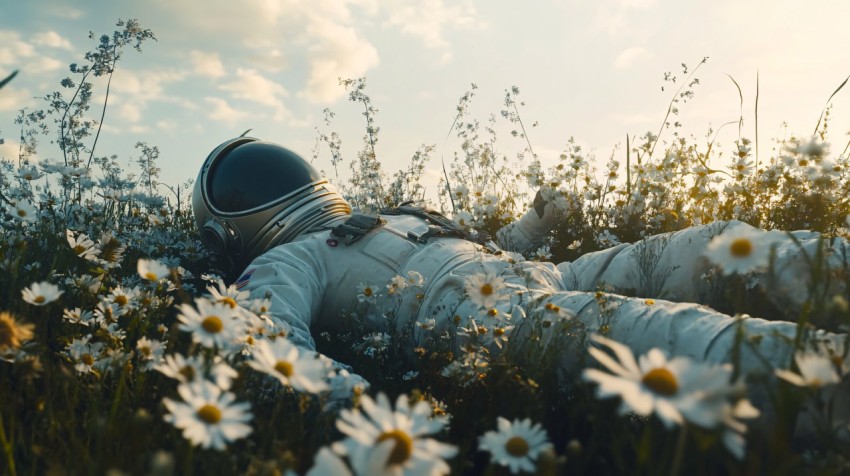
x: 7, y: 449
x: 680, y: 450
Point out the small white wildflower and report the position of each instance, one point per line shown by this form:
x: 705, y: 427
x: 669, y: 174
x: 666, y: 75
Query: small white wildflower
x: 516, y: 444
x: 152, y: 270
x: 41, y: 293
x: 208, y: 416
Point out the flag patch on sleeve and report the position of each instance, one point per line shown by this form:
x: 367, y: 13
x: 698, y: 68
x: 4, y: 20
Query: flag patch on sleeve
x: 244, y: 279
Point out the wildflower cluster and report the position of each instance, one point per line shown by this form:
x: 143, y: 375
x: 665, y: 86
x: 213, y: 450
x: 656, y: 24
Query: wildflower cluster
x: 123, y: 349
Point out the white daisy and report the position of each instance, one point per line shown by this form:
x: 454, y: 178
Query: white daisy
x: 212, y: 325
x: 484, y: 289
x: 464, y: 219
x: 366, y: 293
x: 382, y: 441
x: 85, y: 354
x: 208, y: 416
x: 78, y: 316
x: 193, y: 369
x: 81, y: 245
x: 42, y: 293
x: 229, y: 295
x: 150, y: 352
x: 516, y: 445
x: 152, y: 270
x: 124, y: 298
x: 111, y: 251
x: 23, y: 210
x: 741, y: 250
x: 301, y: 370
x: 816, y: 371
x: 676, y: 390
x: 397, y: 284
x: 414, y: 278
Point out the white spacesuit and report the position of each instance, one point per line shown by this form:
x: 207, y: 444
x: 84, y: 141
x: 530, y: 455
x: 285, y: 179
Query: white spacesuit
x: 316, y: 273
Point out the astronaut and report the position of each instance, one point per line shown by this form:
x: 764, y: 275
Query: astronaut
x: 297, y: 241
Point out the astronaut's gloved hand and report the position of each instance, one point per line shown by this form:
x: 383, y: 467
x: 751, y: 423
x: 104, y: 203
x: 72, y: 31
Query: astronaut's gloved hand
x: 529, y: 232
x: 345, y: 386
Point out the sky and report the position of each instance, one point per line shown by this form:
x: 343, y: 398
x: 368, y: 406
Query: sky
x: 591, y: 70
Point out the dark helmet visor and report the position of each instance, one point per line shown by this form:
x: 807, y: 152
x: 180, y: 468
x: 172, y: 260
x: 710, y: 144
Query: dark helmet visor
x: 255, y: 174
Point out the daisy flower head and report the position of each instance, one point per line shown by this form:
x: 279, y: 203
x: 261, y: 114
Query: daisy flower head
x: 85, y: 354
x: 397, y: 283
x: 78, y: 316
x: 41, y: 294
x: 485, y: 289
x: 366, y: 293
x: 414, y: 278
x: 81, y: 245
x: 816, y: 371
x: 150, y: 352
x: 152, y: 270
x: 303, y: 371
x: 124, y: 298
x: 211, y: 325
x: 516, y: 444
x: 194, y: 369
x: 676, y: 389
x: 229, y: 295
x: 209, y: 416
x: 111, y: 251
x: 23, y: 210
x: 464, y: 219
x: 381, y: 440
x: 13, y: 333
x: 741, y: 250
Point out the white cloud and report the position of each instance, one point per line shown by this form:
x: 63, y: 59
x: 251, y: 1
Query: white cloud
x: 428, y: 19
x: 630, y: 56
x: 133, y: 90
x: 12, y: 99
x: 250, y: 85
x: 13, y: 49
x: 221, y: 111
x: 52, y: 39
x: 339, y: 53
x: 9, y: 150
x: 207, y: 64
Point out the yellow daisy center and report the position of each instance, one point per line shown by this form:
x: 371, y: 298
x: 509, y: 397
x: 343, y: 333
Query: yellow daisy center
x: 79, y: 249
x: 661, y: 381
x: 493, y: 312
x: 498, y: 331
x: 517, y: 446
x: 284, y: 368
x: 229, y: 301
x: 22, y: 213
x: 209, y: 414
x: 150, y: 276
x: 403, y: 448
x: 121, y: 300
x: 212, y: 324
x: 486, y: 289
x: 367, y: 292
x: 39, y: 299
x: 741, y: 248
x: 87, y: 359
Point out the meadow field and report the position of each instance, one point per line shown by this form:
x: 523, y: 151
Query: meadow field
x: 124, y: 349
